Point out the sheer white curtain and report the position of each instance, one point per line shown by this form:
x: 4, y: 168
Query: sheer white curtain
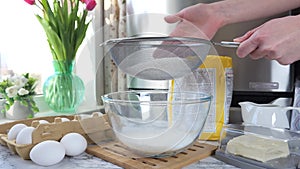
x: 114, y: 27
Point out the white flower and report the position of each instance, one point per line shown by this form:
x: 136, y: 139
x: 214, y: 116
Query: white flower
x: 23, y: 92
x: 11, y: 91
x: 19, y: 81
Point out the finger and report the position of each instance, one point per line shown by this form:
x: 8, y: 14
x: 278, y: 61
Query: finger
x: 172, y: 18
x: 281, y: 60
x: 285, y: 61
x: 257, y: 54
x: 243, y: 38
x: 186, y: 28
x: 246, y: 35
x: 271, y: 56
x: 247, y: 47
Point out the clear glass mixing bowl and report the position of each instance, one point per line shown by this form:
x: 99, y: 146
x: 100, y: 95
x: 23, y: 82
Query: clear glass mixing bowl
x: 157, y: 123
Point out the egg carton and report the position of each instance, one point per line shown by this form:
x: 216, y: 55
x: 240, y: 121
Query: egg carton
x: 94, y: 128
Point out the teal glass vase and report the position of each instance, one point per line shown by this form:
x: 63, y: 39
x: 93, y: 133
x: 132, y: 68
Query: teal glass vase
x: 63, y: 91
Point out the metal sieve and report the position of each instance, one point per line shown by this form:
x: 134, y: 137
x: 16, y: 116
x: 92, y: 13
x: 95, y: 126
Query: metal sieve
x: 158, y: 58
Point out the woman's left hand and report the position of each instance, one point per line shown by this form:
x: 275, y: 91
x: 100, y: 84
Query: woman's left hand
x: 277, y: 39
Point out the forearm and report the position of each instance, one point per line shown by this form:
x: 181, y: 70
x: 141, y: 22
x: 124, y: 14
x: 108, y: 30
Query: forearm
x: 233, y: 11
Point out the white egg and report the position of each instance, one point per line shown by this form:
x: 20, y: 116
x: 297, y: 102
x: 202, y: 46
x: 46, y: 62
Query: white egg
x: 99, y: 114
x: 63, y: 119
x: 47, y: 153
x: 85, y: 116
x: 25, y: 136
x: 43, y: 121
x: 14, y: 131
x: 74, y: 144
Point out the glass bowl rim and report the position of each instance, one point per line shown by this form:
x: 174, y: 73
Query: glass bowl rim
x: 203, y: 97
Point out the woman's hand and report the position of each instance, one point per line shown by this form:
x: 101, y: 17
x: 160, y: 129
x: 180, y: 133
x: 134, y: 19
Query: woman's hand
x: 204, y: 20
x: 277, y: 39
x: 196, y: 21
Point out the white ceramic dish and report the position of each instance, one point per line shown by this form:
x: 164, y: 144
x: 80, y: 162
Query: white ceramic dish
x: 267, y: 115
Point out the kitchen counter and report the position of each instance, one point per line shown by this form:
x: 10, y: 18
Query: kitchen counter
x: 8, y: 160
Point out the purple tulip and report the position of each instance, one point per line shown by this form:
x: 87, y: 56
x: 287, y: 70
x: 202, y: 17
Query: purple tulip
x: 90, y: 4
x: 30, y: 2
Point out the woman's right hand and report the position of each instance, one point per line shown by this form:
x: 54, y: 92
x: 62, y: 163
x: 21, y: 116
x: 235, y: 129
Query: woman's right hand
x: 276, y: 39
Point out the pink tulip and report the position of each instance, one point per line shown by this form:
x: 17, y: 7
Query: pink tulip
x: 90, y: 4
x: 30, y: 2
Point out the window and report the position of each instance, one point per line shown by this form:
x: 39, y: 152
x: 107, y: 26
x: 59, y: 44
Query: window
x: 24, y: 48
x: 23, y: 44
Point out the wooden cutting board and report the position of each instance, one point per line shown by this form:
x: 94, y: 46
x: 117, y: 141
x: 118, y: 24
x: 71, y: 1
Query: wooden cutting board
x: 117, y: 154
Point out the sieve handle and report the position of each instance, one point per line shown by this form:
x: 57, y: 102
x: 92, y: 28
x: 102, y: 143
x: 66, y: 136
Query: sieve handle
x: 227, y: 44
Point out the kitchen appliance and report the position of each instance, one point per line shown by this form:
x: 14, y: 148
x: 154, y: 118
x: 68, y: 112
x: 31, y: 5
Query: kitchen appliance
x: 259, y: 81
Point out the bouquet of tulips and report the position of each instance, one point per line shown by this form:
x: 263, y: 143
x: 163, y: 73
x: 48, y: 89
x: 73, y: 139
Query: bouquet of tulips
x: 65, y: 23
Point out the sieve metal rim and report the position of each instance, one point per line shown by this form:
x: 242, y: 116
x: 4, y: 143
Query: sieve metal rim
x: 134, y: 41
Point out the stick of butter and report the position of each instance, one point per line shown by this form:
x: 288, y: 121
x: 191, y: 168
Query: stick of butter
x: 258, y: 148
